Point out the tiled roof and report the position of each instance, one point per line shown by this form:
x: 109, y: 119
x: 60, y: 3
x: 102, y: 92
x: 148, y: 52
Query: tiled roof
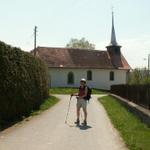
x: 79, y: 58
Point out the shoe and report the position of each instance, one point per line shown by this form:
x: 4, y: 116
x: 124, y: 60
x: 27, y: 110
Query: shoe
x: 84, y: 123
x: 77, y: 122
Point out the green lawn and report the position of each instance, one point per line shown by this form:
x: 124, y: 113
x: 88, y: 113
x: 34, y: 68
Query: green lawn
x: 135, y: 133
x: 52, y: 100
x: 73, y: 90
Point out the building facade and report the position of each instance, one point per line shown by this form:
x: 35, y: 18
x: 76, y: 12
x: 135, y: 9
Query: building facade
x: 96, y: 78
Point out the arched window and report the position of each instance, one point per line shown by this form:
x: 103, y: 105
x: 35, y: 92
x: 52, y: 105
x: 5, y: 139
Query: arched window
x: 111, y: 76
x: 70, y: 78
x: 89, y: 75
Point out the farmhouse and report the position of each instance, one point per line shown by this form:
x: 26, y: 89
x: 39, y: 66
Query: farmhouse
x: 101, y: 68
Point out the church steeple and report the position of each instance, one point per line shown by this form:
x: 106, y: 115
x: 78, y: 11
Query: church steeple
x: 113, y: 47
x: 113, y: 35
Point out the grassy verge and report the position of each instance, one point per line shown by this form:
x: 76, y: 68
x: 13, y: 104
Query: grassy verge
x: 135, y: 133
x: 52, y: 100
x: 44, y: 106
x: 73, y: 90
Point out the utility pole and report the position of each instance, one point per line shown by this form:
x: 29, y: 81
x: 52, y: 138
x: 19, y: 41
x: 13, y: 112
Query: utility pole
x: 35, y: 34
x: 148, y: 64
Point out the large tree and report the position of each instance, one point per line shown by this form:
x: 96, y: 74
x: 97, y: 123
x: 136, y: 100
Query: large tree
x: 80, y: 43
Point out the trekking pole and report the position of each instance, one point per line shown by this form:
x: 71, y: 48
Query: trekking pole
x: 68, y: 109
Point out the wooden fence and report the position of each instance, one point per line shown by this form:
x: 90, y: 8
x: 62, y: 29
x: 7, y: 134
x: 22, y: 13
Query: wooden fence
x: 139, y: 94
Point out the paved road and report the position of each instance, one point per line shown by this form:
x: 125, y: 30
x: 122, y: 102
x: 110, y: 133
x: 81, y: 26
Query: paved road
x: 49, y: 132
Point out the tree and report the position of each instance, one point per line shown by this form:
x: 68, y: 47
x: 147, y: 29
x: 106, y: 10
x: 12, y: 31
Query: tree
x: 80, y: 43
x: 139, y: 76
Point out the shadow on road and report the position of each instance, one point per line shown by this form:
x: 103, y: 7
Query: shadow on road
x: 81, y: 127
x: 84, y: 127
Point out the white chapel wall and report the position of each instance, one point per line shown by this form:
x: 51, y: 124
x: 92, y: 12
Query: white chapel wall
x: 100, y: 77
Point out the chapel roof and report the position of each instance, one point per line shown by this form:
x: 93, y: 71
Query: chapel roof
x: 80, y: 58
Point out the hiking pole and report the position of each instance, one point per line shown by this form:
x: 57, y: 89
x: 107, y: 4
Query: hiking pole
x: 68, y: 109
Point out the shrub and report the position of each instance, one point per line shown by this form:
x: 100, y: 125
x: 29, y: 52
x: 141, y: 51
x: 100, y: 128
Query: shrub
x: 139, y: 76
x: 23, y: 82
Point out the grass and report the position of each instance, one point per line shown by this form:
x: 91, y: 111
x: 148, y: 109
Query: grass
x: 73, y: 90
x: 52, y: 100
x: 135, y: 133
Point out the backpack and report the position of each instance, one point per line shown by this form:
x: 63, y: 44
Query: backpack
x: 89, y: 92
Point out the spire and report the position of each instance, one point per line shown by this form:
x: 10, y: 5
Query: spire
x: 113, y: 48
x: 113, y: 35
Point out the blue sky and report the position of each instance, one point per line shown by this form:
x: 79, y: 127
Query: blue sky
x: 60, y: 20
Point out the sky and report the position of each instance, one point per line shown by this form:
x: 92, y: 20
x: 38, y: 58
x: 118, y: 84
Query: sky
x: 60, y: 20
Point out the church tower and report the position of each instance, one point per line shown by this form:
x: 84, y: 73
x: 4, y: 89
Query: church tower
x: 113, y: 48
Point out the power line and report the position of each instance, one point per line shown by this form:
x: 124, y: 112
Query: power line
x: 148, y: 64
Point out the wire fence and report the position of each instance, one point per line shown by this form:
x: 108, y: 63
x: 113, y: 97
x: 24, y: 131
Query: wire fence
x: 139, y: 94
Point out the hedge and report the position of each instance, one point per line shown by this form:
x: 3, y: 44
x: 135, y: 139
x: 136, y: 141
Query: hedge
x: 23, y: 82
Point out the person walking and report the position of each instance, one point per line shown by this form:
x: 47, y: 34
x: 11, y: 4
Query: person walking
x: 81, y: 101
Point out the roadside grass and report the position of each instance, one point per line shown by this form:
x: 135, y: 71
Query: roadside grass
x: 62, y: 90
x: 48, y: 103
x: 135, y: 133
x: 66, y: 90
x: 52, y: 100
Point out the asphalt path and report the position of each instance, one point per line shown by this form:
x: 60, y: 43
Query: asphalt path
x: 48, y: 131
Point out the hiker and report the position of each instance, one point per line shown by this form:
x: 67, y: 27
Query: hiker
x: 81, y: 101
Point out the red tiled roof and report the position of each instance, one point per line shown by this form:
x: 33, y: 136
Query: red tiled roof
x: 79, y: 58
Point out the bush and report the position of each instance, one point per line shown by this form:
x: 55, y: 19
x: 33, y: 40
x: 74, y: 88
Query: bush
x: 23, y: 82
x: 139, y: 76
